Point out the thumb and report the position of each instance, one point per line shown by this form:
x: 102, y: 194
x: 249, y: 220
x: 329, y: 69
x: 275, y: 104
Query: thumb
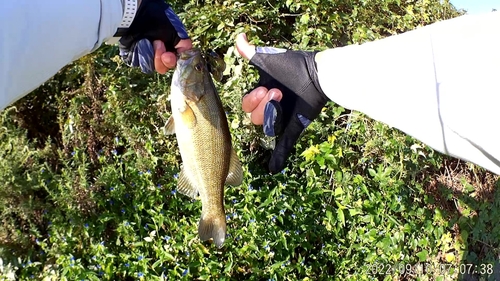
x: 244, y: 48
x: 285, y: 144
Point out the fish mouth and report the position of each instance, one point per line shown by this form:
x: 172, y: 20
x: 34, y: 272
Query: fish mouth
x: 189, y: 53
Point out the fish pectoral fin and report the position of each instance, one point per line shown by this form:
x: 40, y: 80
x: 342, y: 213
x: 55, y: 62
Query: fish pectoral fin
x: 169, y: 128
x: 185, y: 186
x: 188, y: 117
x: 235, y: 175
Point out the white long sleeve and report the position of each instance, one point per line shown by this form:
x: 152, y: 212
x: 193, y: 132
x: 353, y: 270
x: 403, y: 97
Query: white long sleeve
x: 39, y: 37
x: 439, y: 84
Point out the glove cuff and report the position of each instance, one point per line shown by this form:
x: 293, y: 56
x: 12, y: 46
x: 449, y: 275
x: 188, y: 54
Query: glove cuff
x: 313, y: 72
x: 130, y: 8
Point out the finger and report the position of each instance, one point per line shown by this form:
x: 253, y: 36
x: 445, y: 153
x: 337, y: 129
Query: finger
x: 257, y: 116
x: 244, y: 48
x: 160, y: 49
x: 285, y: 144
x: 251, y: 100
x: 184, y: 45
x: 169, y: 60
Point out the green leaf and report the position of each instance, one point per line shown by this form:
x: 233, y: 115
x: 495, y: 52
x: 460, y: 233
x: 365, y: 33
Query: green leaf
x: 341, y: 217
x: 329, y: 215
x: 372, y: 172
x: 422, y: 255
x: 338, y: 191
x: 338, y: 176
x: 354, y: 212
x: 304, y: 19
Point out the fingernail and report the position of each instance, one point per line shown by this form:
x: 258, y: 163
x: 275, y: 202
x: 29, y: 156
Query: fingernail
x: 261, y: 93
x: 273, y: 95
x: 156, y: 43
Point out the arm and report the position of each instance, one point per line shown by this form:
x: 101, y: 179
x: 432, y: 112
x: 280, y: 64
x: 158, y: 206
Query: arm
x: 38, y: 38
x: 439, y: 84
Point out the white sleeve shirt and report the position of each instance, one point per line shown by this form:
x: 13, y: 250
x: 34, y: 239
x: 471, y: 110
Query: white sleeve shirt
x: 439, y: 84
x: 39, y: 37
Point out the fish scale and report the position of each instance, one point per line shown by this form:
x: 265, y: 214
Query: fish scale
x: 208, y: 159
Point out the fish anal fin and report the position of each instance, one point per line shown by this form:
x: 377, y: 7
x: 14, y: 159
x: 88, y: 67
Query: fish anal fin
x: 214, y: 227
x: 185, y: 185
x: 235, y: 174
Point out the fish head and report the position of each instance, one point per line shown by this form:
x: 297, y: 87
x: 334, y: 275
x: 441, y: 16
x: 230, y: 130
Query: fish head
x: 191, y: 73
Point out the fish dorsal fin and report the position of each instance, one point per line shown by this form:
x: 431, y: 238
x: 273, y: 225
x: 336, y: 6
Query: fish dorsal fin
x: 169, y: 128
x: 185, y: 186
x: 235, y: 175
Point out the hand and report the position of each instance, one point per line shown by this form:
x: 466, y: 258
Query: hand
x: 288, y: 98
x: 153, y: 38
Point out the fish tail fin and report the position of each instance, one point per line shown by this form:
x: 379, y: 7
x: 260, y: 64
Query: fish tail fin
x: 212, y: 226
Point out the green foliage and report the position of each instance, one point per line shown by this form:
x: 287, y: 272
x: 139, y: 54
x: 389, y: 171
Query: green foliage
x: 88, y: 176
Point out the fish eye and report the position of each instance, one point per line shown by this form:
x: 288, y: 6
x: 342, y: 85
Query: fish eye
x: 198, y: 67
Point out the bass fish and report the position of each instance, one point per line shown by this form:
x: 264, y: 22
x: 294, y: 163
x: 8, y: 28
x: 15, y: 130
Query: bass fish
x: 200, y: 125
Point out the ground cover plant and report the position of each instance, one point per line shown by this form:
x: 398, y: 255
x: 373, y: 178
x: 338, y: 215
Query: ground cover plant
x: 88, y: 176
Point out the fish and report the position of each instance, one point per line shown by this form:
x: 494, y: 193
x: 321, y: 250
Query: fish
x: 198, y: 120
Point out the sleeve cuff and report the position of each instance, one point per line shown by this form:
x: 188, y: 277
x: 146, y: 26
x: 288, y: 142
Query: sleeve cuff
x: 129, y: 10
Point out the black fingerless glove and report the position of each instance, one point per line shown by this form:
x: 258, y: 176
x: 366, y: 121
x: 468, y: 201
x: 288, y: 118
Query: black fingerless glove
x: 295, y: 74
x: 154, y: 20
